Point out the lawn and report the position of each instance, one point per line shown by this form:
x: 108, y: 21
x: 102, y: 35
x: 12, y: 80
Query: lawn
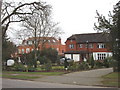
x: 33, y: 73
x: 28, y: 75
x: 23, y: 77
x: 111, y: 79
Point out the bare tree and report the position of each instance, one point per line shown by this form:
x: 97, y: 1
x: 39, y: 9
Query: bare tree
x: 16, y: 12
x: 40, y: 25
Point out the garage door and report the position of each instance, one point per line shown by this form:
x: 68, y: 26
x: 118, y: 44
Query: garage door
x: 76, y: 57
x: 68, y: 56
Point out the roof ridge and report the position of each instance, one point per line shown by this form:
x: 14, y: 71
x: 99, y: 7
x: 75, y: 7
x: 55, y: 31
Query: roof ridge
x: 87, y: 33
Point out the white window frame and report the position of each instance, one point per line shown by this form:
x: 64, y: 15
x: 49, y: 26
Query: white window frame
x: 23, y: 51
x: 80, y: 45
x: 90, y: 45
x: 29, y: 42
x: 100, y: 45
x: 19, y: 51
x: 27, y: 50
x: 71, y: 46
x: 101, y: 55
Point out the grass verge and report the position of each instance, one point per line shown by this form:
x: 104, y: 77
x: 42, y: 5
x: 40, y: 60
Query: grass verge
x: 111, y: 79
x: 34, y: 73
x: 20, y: 77
x: 27, y: 75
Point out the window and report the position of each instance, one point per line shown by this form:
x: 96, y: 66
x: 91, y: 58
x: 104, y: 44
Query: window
x: 81, y: 45
x: 29, y: 42
x: 101, y: 56
x: 33, y: 42
x: 27, y: 50
x: 57, y: 49
x: 25, y: 43
x: 86, y: 45
x: 90, y: 45
x: 22, y: 51
x: 19, y: 50
x: 49, y: 41
x: 54, y: 41
x: 62, y: 51
x: 101, y: 45
x: 71, y: 40
x: 71, y: 46
x: 32, y: 49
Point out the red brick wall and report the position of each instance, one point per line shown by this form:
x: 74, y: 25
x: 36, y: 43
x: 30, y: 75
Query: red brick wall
x: 59, y: 47
x: 71, y: 42
x: 77, y: 48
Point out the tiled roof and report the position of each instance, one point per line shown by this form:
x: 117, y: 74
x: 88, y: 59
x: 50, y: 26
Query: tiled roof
x: 90, y: 37
x: 48, y: 39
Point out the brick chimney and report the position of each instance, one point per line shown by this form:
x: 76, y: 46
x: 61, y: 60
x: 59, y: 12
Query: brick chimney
x: 59, y: 40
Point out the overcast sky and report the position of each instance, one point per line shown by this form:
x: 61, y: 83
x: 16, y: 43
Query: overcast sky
x: 78, y: 16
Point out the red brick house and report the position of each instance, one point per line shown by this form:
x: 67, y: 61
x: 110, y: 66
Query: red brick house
x: 47, y: 42
x: 80, y: 47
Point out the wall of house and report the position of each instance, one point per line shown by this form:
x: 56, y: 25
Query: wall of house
x: 99, y: 53
x: 58, y: 46
x: 91, y: 49
x: 71, y: 42
x: 84, y: 47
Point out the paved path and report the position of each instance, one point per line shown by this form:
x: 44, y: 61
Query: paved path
x: 92, y: 77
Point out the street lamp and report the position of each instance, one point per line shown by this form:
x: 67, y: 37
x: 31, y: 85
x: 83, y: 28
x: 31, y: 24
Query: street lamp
x: 87, y: 43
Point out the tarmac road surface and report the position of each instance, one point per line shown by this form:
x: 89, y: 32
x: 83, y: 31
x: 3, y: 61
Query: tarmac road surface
x: 12, y: 83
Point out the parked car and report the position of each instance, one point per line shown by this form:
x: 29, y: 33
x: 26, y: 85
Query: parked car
x: 63, y: 59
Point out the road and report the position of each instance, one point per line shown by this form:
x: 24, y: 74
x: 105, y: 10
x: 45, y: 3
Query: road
x: 12, y: 83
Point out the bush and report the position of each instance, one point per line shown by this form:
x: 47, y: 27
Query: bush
x: 16, y: 67
x: 99, y: 64
x: 106, y: 63
x: 31, y: 69
x: 83, y: 66
x: 74, y: 66
x: 91, y: 62
x: 48, y: 66
x: 57, y: 67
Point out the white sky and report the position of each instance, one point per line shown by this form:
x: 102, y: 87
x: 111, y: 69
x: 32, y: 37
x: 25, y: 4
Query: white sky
x: 78, y: 16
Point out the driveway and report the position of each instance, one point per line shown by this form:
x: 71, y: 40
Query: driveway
x: 90, y: 78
